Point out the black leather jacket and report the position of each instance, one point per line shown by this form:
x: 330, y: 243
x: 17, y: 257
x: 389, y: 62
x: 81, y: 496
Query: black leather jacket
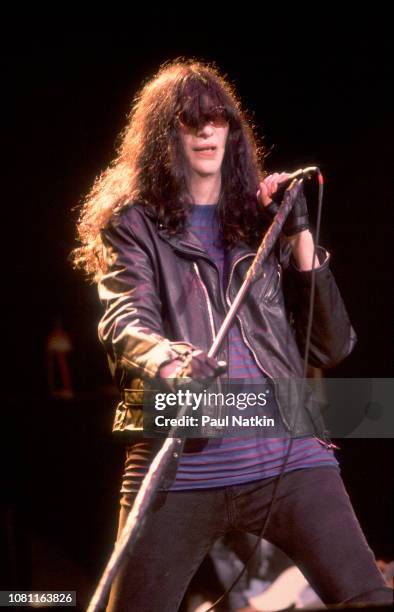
x: 162, y: 296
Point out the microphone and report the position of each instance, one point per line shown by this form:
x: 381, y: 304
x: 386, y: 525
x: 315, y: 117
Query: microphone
x: 298, y: 174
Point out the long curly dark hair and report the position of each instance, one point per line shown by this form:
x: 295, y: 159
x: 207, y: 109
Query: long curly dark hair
x: 150, y: 166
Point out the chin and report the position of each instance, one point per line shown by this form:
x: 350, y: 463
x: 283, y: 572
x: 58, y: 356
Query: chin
x: 205, y: 173
x: 206, y: 170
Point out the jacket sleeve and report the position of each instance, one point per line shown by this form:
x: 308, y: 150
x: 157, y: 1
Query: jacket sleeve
x: 131, y: 327
x: 332, y: 336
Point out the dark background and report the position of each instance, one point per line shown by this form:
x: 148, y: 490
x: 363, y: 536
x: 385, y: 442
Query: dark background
x: 320, y: 94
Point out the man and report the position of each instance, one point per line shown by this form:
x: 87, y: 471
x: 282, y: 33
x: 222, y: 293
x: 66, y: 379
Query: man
x: 168, y: 231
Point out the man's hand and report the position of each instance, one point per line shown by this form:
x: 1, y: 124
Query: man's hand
x: 297, y: 220
x: 296, y: 227
x: 197, y: 366
x: 269, y: 186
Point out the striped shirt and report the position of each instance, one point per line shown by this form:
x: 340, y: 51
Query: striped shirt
x: 228, y: 461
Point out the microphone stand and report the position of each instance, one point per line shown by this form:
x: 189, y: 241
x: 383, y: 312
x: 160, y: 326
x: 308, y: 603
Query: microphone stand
x: 172, y: 446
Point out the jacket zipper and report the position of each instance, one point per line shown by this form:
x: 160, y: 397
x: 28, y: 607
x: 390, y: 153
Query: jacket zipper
x: 204, y: 256
x: 210, y: 315
x: 249, y: 345
x: 205, y: 291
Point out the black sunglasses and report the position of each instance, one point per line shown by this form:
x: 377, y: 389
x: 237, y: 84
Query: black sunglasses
x: 216, y: 116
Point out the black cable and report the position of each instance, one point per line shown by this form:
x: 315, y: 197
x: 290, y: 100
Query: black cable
x: 301, y: 395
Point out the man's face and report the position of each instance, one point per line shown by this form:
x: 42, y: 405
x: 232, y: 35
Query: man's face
x: 204, y: 145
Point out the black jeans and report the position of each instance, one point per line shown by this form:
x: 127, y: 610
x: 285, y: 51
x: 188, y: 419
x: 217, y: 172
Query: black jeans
x: 313, y: 523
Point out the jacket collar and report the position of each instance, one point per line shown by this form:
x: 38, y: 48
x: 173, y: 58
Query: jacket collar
x: 189, y: 245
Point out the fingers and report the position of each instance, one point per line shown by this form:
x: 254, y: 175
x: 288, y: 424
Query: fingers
x: 272, y: 180
x: 263, y: 195
x: 198, y: 366
x: 170, y: 370
x: 204, y: 367
x: 270, y: 185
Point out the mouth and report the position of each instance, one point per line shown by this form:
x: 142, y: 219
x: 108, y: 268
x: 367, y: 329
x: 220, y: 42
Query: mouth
x: 204, y: 148
x: 206, y: 152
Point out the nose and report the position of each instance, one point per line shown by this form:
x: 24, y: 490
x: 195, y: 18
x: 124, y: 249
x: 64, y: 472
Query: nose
x: 205, y: 130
